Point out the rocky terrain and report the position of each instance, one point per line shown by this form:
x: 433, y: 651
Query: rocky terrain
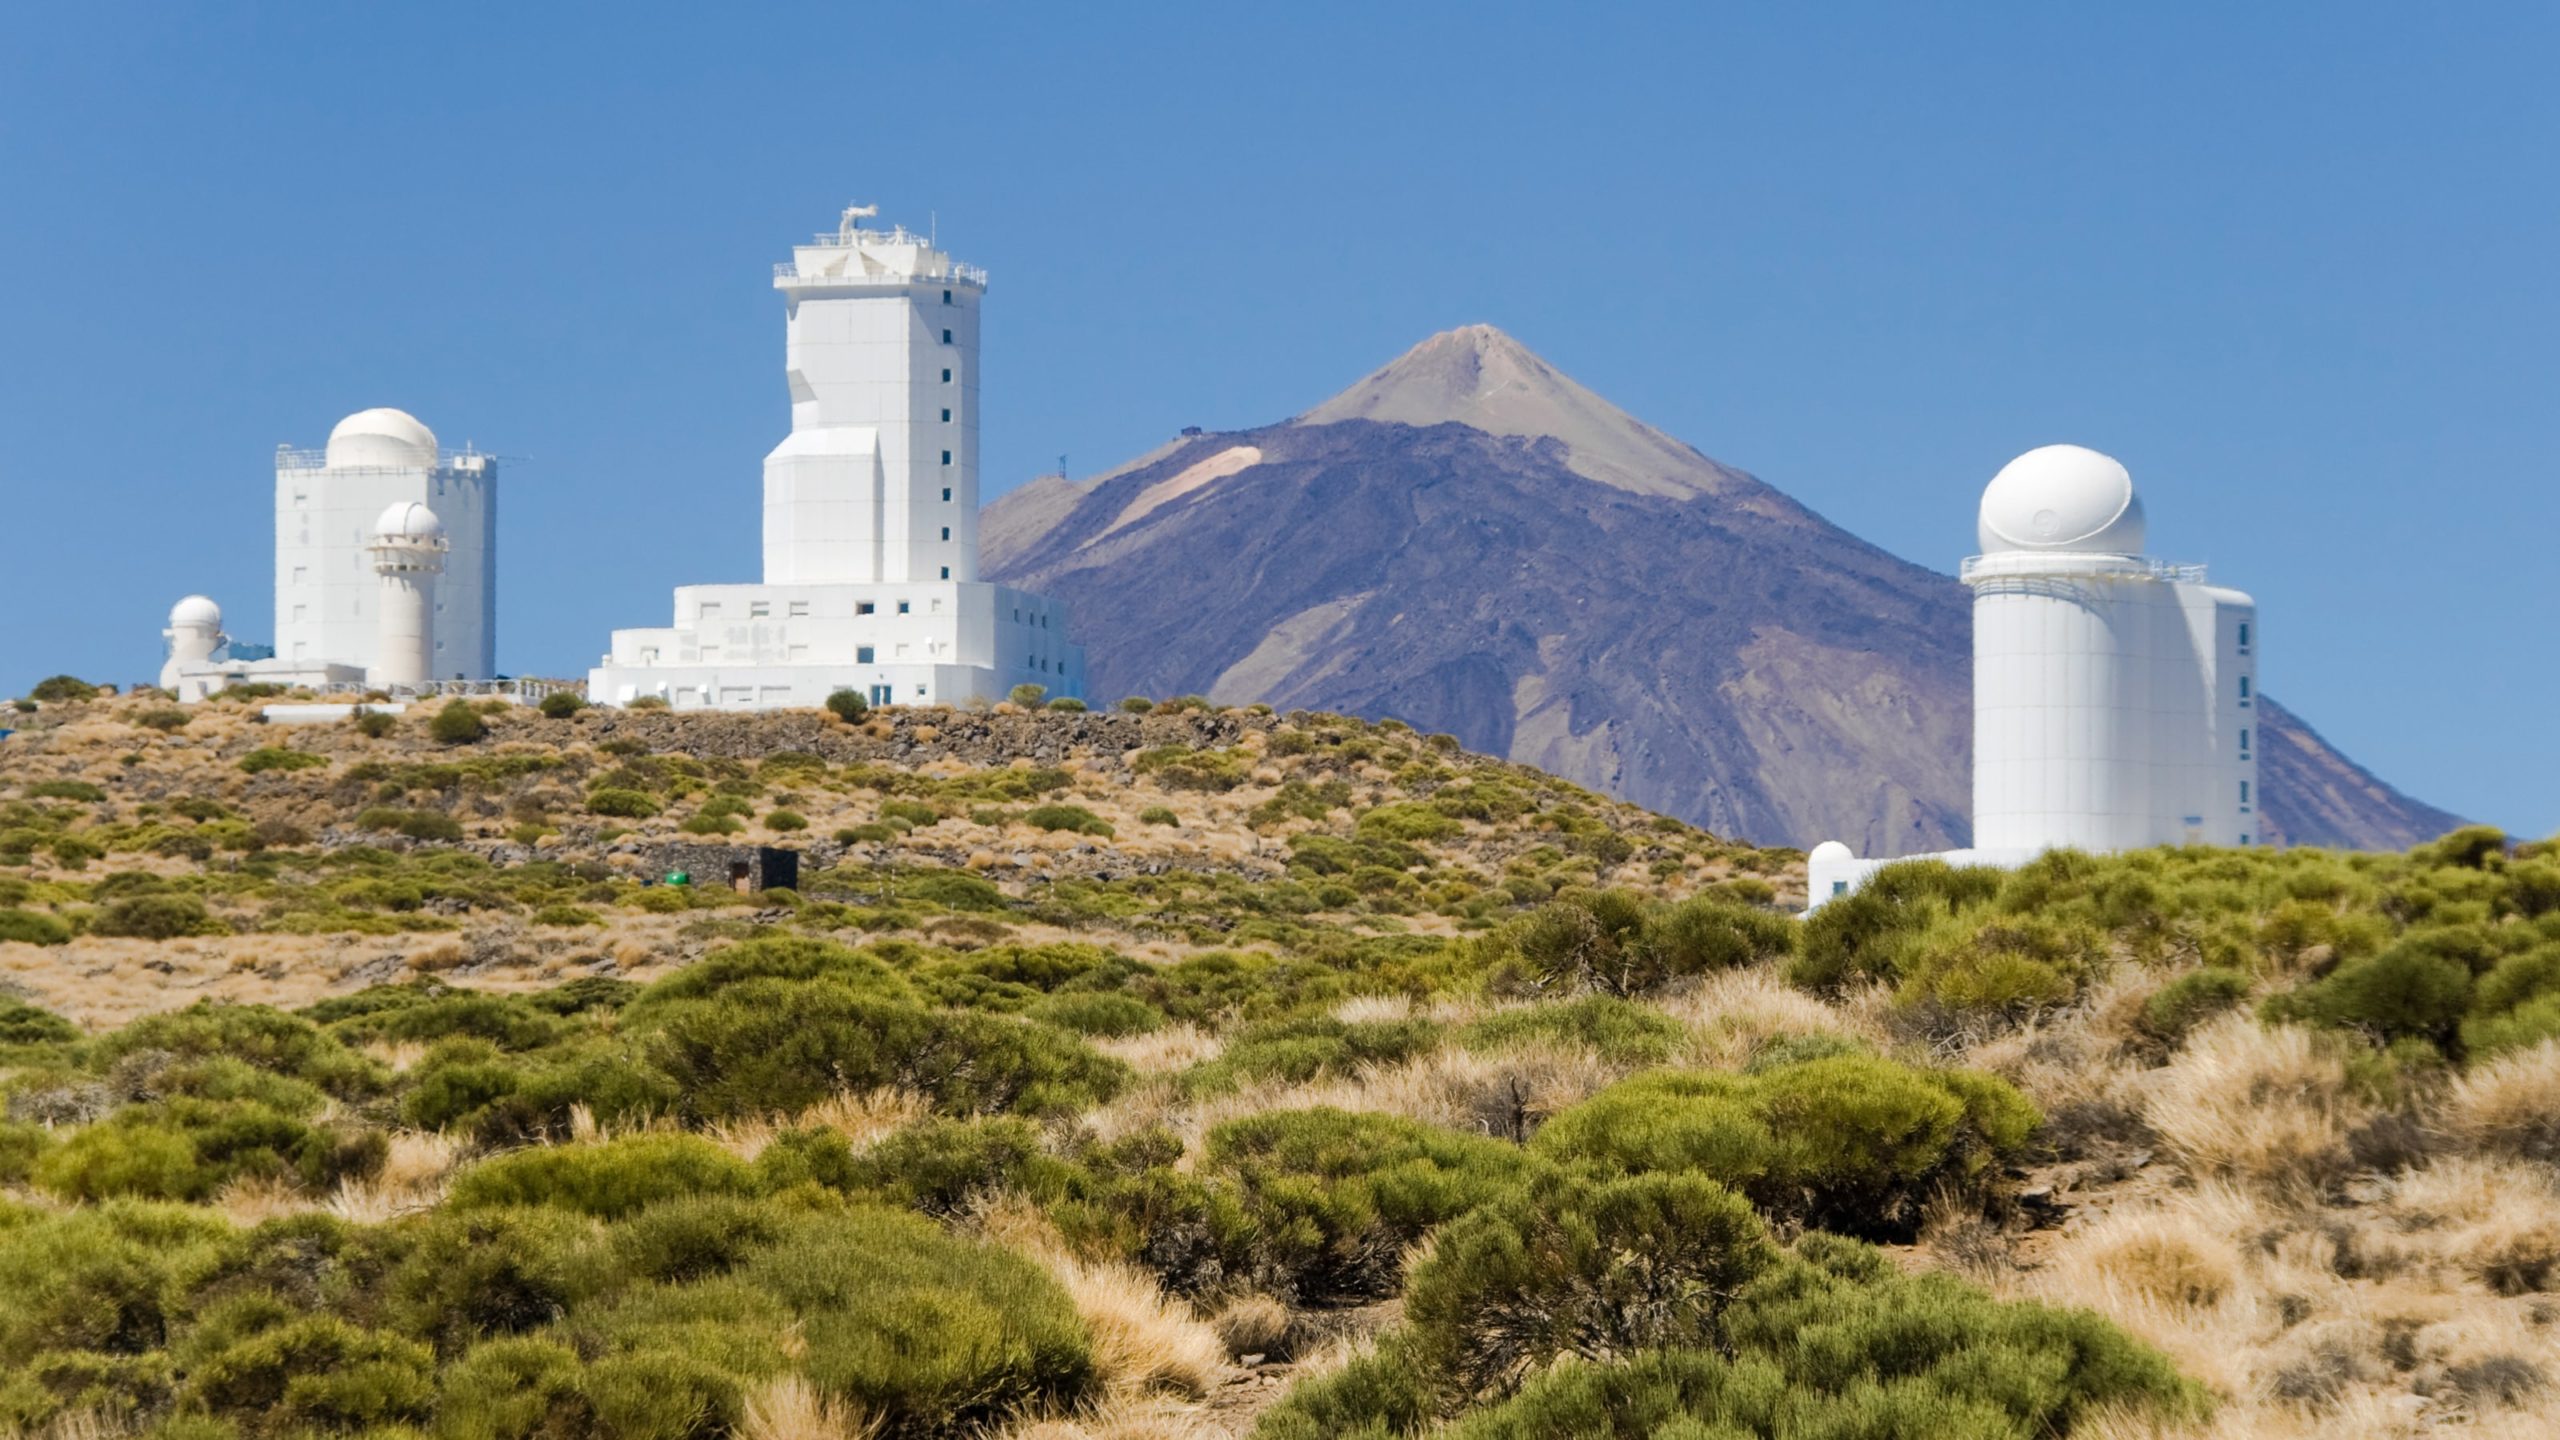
x: 1470, y: 541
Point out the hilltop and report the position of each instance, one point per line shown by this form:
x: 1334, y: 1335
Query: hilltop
x: 1471, y: 541
x: 1215, y: 1072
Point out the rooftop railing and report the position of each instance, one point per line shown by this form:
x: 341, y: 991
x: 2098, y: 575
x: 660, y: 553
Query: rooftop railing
x: 789, y: 274
x: 2133, y: 565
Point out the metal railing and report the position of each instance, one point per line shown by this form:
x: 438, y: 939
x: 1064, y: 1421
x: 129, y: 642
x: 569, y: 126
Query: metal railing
x: 296, y: 457
x: 2133, y: 565
x: 957, y: 273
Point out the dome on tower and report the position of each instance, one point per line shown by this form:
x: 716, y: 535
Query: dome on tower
x: 195, y: 613
x: 381, y: 439
x: 1830, y: 852
x: 409, y: 520
x: 2062, y: 497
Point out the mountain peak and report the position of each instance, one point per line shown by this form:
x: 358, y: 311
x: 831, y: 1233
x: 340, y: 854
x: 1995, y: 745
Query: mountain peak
x: 1479, y: 376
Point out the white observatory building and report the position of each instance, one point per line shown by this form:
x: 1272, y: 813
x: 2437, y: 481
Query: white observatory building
x: 334, y: 507
x: 870, y: 512
x: 2113, y: 695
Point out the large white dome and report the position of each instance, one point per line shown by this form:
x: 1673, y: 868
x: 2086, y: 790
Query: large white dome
x: 2062, y: 497
x: 381, y: 439
x: 195, y: 613
x: 409, y: 520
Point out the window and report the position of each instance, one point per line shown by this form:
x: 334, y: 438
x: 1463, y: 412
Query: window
x: 862, y: 655
x: 946, y: 532
x: 300, y: 613
x: 946, y: 492
x: 799, y: 607
x: 758, y: 609
x: 1017, y: 614
x: 902, y: 607
x: 2244, y: 625
x: 2244, y: 740
x: 1839, y: 887
x: 946, y: 457
x: 2244, y: 839
x: 2244, y: 794
x: 946, y: 376
x: 710, y: 610
x: 946, y: 572
x: 863, y: 607
x: 2244, y: 689
x: 946, y: 337
x: 946, y: 297
x: 946, y: 419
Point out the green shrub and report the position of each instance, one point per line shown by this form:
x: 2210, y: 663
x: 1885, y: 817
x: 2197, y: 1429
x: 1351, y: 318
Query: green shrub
x: 2180, y: 1006
x: 1621, y: 1032
x: 57, y: 688
x: 848, y: 705
x: 914, y: 812
x: 1072, y: 818
x: 646, y: 702
x: 1136, y: 705
x: 1028, y: 696
x: 1406, y: 821
x: 935, y: 1335
x: 314, y: 1373
x: 778, y: 1046
x: 28, y: 927
x: 65, y: 790
x: 565, y: 916
x: 951, y: 889
x: 255, y: 1035
x: 609, y: 1179
x: 776, y: 958
x: 458, y: 723
x: 1568, y: 1267
x: 561, y: 704
x: 1103, y: 1013
x: 274, y: 757
x: 167, y: 719
x: 463, y: 1274
x: 711, y: 822
x: 376, y: 724
x: 1853, y: 1142
x: 2406, y: 991
x: 1618, y: 944
x: 25, y: 1024
x: 1067, y: 704
x: 1310, y: 1047
x: 1333, y: 1197
x: 943, y: 1167
x: 1862, y: 936
x: 622, y: 804
x: 1158, y: 815
x: 155, y: 917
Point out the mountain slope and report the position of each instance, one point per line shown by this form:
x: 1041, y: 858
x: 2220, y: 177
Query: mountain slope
x: 1472, y: 542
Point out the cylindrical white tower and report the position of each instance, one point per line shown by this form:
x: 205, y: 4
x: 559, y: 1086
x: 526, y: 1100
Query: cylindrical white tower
x: 194, y: 633
x: 408, y: 548
x: 2107, y: 688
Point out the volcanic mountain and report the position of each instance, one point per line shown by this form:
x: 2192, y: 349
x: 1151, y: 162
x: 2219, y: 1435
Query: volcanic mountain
x: 1470, y: 541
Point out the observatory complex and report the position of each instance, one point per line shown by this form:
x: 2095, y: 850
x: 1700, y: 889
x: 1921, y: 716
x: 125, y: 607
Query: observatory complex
x: 870, y: 512
x: 386, y: 569
x: 2113, y: 695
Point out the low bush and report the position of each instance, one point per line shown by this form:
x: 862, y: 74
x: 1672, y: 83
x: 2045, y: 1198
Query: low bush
x: 65, y: 790
x: 609, y: 1179
x: 155, y: 917
x: 312, y: 1374
x: 1621, y: 1032
x: 848, y: 705
x: 1158, y: 815
x: 2180, y: 1006
x: 785, y: 820
x: 622, y: 804
x: 28, y: 927
x: 561, y: 704
x: 1074, y: 819
x: 1066, y: 704
x: 458, y: 723
x: 1293, y: 1052
x: 276, y: 757
x: 1615, y: 943
x: 1101, y: 1013
x: 1857, y: 1143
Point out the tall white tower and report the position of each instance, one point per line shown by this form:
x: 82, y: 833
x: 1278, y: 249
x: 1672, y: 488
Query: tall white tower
x: 878, y: 480
x: 2113, y: 696
x: 325, y: 584
x: 408, y: 548
x: 194, y: 633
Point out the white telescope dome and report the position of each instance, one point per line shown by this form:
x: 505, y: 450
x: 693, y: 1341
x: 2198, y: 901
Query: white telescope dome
x: 409, y: 520
x: 381, y: 439
x: 2062, y: 497
x: 1830, y: 852
x: 195, y: 613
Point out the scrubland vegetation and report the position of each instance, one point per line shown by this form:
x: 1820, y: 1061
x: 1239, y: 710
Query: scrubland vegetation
x: 1175, y: 1072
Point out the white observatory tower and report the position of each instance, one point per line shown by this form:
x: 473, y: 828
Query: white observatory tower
x: 2114, y: 696
x: 408, y: 548
x: 878, y: 480
x: 325, y: 585
x: 194, y: 633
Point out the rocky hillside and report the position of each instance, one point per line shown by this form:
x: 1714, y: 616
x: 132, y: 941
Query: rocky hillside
x: 1470, y: 541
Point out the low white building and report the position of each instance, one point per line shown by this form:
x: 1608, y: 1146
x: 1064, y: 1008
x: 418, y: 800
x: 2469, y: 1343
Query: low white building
x: 2114, y: 696
x: 870, y: 512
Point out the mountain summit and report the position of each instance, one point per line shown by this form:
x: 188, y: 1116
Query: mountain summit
x: 1471, y: 541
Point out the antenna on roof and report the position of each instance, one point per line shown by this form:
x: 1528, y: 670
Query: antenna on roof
x: 933, y: 228
x: 854, y: 215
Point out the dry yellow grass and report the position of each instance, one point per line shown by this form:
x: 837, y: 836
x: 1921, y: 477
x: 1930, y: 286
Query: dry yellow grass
x: 1144, y: 1342
x: 788, y: 1407
x: 413, y: 1178
x: 2263, y: 1105
x: 2510, y: 1105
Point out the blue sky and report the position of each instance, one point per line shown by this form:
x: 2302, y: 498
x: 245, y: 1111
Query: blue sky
x: 2294, y: 265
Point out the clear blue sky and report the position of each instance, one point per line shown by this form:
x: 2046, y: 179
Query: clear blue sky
x: 2294, y: 265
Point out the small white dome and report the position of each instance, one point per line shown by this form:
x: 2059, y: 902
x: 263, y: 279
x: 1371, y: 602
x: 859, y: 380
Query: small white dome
x: 381, y: 439
x: 1828, y: 851
x: 409, y: 520
x: 195, y: 613
x: 2062, y: 497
